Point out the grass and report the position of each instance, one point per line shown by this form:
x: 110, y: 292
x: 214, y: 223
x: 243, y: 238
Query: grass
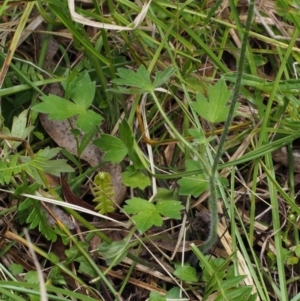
x: 165, y: 146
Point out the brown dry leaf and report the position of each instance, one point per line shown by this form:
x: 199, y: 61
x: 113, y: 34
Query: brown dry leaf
x: 71, y: 197
x: 60, y: 132
x: 59, y: 214
x: 281, y: 156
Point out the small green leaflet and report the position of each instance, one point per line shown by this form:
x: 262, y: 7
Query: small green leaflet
x: 162, y: 77
x: 88, y: 120
x: 164, y: 194
x: 126, y: 135
x: 145, y: 220
x: 114, y: 148
x: 155, y: 296
x: 73, y: 252
x: 135, y: 178
x: 193, y: 185
x: 215, y: 108
x: 49, y: 152
x: 82, y: 91
x: 32, y: 277
x: 141, y: 79
x: 114, y: 252
x: 16, y: 269
x: 174, y: 293
x: 85, y: 267
x: 297, y: 251
x: 57, y: 107
x: 19, y: 128
x: 54, y: 167
x: 186, y: 273
x: 146, y: 214
x: 169, y: 208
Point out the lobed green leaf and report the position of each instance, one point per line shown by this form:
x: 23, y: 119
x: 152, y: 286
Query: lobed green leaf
x: 114, y: 148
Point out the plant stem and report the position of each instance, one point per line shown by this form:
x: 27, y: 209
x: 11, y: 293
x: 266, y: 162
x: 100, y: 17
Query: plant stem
x: 213, y: 202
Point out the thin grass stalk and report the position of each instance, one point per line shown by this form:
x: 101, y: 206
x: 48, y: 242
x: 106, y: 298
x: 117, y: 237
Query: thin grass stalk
x: 28, y: 288
x: 263, y: 139
x: 212, y: 177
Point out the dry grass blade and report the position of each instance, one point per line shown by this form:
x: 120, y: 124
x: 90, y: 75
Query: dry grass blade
x: 43, y: 290
x: 67, y: 205
x: 137, y: 21
x: 15, y: 41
